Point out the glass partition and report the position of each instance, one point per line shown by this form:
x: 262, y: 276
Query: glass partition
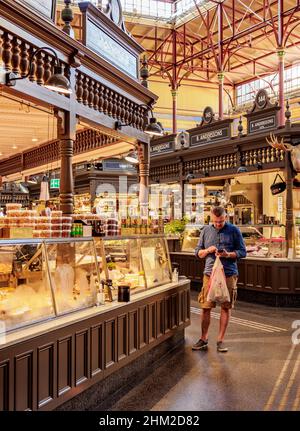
x: 74, y: 274
x: 25, y: 292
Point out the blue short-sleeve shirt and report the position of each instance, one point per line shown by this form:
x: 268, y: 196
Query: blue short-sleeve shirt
x: 228, y: 238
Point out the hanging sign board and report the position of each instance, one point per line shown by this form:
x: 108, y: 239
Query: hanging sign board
x: 280, y: 204
x: 161, y: 148
x: 262, y: 124
x: 210, y: 136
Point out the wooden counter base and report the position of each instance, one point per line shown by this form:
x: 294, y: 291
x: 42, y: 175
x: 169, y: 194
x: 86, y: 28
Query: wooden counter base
x: 46, y: 371
x: 273, y: 282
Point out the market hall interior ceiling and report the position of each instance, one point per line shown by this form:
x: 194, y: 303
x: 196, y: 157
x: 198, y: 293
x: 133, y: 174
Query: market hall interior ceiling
x: 187, y: 47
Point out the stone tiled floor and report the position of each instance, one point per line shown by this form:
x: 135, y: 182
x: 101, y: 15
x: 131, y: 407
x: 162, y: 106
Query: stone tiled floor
x: 260, y: 371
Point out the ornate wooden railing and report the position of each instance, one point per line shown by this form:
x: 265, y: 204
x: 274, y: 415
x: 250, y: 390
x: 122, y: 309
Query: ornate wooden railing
x: 15, y: 54
x: 163, y: 172
x: 91, y: 92
x: 210, y: 164
x: 264, y: 155
x: 86, y: 140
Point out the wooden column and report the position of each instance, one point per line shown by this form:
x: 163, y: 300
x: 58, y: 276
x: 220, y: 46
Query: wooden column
x: 289, y: 202
x: 66, y: 133
x: 144, y: 168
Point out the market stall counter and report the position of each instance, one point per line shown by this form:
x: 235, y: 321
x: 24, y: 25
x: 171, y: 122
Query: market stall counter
x: 58, y: 336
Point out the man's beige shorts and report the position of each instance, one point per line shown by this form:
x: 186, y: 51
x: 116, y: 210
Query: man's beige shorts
x: 232, y: 289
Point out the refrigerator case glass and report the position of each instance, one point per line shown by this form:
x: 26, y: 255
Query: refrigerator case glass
x: 73, y: 273
x: 267, y: 241
x: 123, y: 264
x: 191, y: 236
x: 25, y: 292
x: 156, y: 261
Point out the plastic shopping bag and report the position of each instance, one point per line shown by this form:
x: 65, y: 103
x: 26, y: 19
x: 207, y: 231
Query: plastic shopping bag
x: 218, y: 291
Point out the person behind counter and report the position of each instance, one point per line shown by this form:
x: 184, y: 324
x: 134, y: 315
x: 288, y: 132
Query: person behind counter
x: 224, y: 240
x: 47, y: 210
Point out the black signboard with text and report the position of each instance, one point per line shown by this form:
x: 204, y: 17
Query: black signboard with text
x: 263, y: 115
x: 206, y: 137
x: 161, y: 147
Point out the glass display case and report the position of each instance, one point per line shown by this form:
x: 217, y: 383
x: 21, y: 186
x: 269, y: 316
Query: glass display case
x: 264, y: 240
x: 43, y: 279
x: 191, y: 236
x: 140, y: 262
x: 25, y: 291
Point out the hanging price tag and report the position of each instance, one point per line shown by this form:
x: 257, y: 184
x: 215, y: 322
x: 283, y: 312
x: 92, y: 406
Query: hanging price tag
x: 280, y: 204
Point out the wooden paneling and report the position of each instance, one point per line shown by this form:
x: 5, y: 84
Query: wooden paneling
x: 160, y: 321
x: 269, y: 271
x: 168, y: 312
x: 110, y: 343
x: 24, y: 381
x: 143, y: 326
x: 250, y: 275
x: 4, y: 385
x: 96, y: 346
x: 81, y: 357
x: 122, y: 337
x: 64, y: 364
x: 45, y: 369
x: 43, y: 372
x: 174, y: 311
x: 296, y: 279
x: 152, y: 321
x: 283, y: 276
x: 188, y: 305
x: 133, y: 331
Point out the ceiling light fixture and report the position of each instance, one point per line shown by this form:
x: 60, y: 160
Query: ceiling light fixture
x: 57, y: 82
x: 153, y: 127
x: 132, y: 157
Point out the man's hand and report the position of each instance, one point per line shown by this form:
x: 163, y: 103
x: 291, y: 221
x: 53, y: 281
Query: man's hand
x: 211, y: 249
x: 203, y: 253
x: 228, y: 254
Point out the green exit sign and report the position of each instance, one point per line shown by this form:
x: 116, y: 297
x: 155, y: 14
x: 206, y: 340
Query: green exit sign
x: 54, y: 183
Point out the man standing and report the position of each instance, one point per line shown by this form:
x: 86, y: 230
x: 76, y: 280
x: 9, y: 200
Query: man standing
x: 224, y: 240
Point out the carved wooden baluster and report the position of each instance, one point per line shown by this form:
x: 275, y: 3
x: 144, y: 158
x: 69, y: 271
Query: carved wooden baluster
x: 79, y: 87
x: 1, y: 44
x: 135, y: 115
x: 105, y: 103
x: 120, y: 116
x: 127, y: 111
x: 85, y: 94
x: 7, y: 54
x: 143, y: 118
x: 15, y: 59
x: 40, y: 68
x: 24, y: 62
x: 268, y: 155
x: 117, y: 106
x: 33, y: 65
x: 47, y: 68
x: 96, y: 95
x: 114, y: 105
x: 110, y: 102
x: 101, y: 98
x: 91, y: 93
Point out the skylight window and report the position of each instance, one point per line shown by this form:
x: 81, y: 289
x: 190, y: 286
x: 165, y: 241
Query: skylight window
x: 159, y: 10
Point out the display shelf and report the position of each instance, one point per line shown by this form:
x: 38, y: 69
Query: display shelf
x: 44, y: 279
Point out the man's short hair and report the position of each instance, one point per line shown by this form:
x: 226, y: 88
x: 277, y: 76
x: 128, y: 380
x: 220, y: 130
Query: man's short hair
x: 218, y: 211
